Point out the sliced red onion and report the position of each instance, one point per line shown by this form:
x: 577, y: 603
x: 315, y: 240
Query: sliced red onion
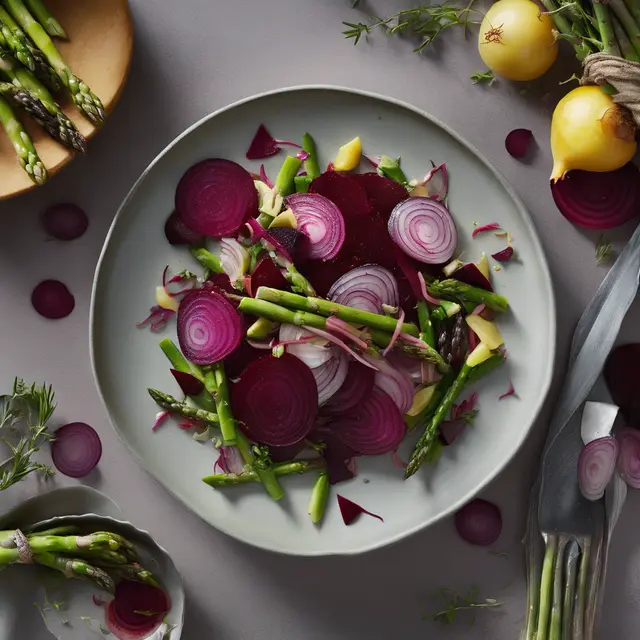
x: 366, y: 288
x: 65, y: 221
x: 216, y: 197
x: 305, y: 345
x: 396, y: 333
x: 437, y: 182
x: 234, y: 258
x: 321, y: 221
x: 518, y: 142
x: 53, y: 300
x: 231, y: 460
x: 161, y: 418
x: 478, y: 310
x: 189, y: 384
x: 346, y: 331
x: 398, y: 461
x: 157, y: 318
x: 265, y: 178
x: 209, y: 328
x: 629, y: 457
x: 479, y: 522
x: 137, y: 610
x: 509, y: 392
x: 355, y: 388
x: 76, y: 449
x: 331, y: 338
x: 596, y: 465
x: 491, y: 226
x: 276, y: 400
x: 424, y: 229
x: 425, y: 292
x: 503, y: 256
x: 265, y: 145
x: 331, y: 375
x: 403, y: 362
x: 350, y: 510
x: 429, y: 373
x: 268, y: 241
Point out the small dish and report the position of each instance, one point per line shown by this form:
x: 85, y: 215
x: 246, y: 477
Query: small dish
x: 99, y: 51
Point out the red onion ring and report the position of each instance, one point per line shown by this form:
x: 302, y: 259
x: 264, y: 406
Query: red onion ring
x: 331, y: 375
x: 629, y: 457
x: 366, y: 288
x: 398, y: 384
x: 321, y: 221
x: 209, y: 328
x: 305, y: 345
x: 424, y: 229
x: 596, y: 465
x: 76, y: 449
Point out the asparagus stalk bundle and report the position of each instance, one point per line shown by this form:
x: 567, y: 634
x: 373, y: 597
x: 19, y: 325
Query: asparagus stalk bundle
x: 80, y: 92
x: 100, y: 557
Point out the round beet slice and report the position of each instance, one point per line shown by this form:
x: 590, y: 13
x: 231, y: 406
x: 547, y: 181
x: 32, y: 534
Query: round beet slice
x: 177, y: 232
x: 216, y: 197
x: 52, y: 299
x: 384, y: 193
x: 276, y: 400
x: 343, y: 190
x: 621, y: 373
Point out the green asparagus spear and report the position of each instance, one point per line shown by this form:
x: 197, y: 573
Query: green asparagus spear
x: 391, y: 169
x: 441, y: 388
x: 295, y: 467
x: 319, y: 497
x: 626, y: 46
x: 427, y: 334
x: 207, y: 259
x: 327, y: 308
x: 40, y: 104
x: 285, y: 184
x: 634, y: 9
x: 76, y: 568
x: 42, y: 14
x: 619, y: 9
x: 311, y: 164
x: 27, y: 154
x: 261, y: 329
x: 461, y: 292
x: 215, y: 381
x: 26, y: 52
x: 257, y: 461
x: 298, y: 282
x: 417, y: 349
x: 182, y: 408
x: 178, y: 361
x: 302, y: 183
x: 133, y: 572
x: 82, y: 95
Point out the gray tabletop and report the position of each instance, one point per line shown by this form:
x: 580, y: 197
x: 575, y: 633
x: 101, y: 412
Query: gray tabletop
x: 192, y: 57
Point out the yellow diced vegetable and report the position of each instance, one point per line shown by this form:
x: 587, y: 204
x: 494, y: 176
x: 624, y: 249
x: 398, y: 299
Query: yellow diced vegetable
x: 483, y: 266
x: 285, y: 219
x: 421, y: 399
x: 348, y: 157
x: 479, y: 355
x: 488, y: 332
x: 420, y: 190
x: 164, y: 300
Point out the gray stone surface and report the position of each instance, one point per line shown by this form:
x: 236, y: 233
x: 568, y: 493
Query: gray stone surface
x: 192, y: 57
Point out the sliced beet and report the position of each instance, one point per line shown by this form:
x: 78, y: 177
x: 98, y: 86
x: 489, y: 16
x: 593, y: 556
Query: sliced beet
x: 344, y: 191
x: 293, y: 241
x: 356, y: 387
x: 621, y: 373
x: 351, y: 510
x: 188, y: 383
x: 266, y: 274
x: 65, y: 221
x: 137, y: 609
x: 471, y: 275
x: 216, y: 197
x: 177, y: 232
x: 222, y: 283
x: 276, y: 400
x: 383, y: 193
x: 52, y: 299
x: 289, y: 452
x: 240, y: 359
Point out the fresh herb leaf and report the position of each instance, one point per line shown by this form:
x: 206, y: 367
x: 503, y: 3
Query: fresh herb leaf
x: 455, y: 602
x: 604, y: 251
x: 425, y: 22
x: 483, y: 77
x: 573, y: 78
x: 30, y: 407
x: 146, y: 612
x: 468, y: 416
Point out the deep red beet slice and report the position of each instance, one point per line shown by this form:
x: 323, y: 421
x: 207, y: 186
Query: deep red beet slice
x: 177, y: 233
x: 351, y: 510
x: 240, y: 359
x: 344, y: 191
x: 266, y: 274
x: 356, y: 387
x: 65, y: 221
x: 296, y: 243
x: 189, y: 384
x: 52, y: 299
x: 471, y: 275
x: 284, y: 454
x: 621, y: 373
x: 383, y: 192
x: 221, y: 283
x: 137, y: 610
x: 276, y: 400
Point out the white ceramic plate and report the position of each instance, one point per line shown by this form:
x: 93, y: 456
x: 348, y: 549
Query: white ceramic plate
x: 127, y: 360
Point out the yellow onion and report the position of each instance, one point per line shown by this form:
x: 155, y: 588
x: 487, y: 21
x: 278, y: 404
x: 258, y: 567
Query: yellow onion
x: 589, y: 131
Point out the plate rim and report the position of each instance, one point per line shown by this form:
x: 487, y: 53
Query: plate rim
x: 538, y: 245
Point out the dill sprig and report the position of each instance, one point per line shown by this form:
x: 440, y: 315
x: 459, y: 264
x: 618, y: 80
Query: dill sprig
x: 483, y: 77
x: 604, y: 251
x: 425, y: 22
x: 28, y: 408
x: 455, y: 602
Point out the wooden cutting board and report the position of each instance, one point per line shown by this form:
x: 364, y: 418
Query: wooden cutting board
x: 98, y: 51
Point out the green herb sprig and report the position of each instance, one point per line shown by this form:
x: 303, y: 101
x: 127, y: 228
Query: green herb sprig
x: 455, y: 602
